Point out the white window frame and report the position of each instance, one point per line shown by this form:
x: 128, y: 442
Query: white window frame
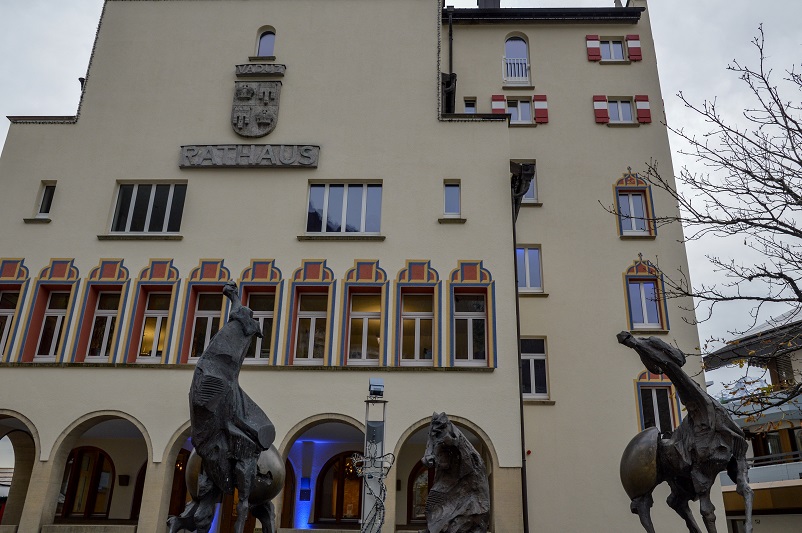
x: 644, y: 302
x: 530, y: 196
x: 529, y: 359
x: 108, y: 327
x: 654, y: 406
x: 617, y: 102
x: 308, y: 358
x: 470, y: 316
x: 47, y: 186
x: 506, y: 61
x: 365, y: 317
x: 417, y: 316
x: 5, y: 333
x: 632, y: 218
x: 60, y: 315
x: 209, y: 315
x: 161, y: 316
x: 609, y: 43
x: 527, y: 283
x: 363, y: 213
x: 261, y: 316
x: 446, y: 212
x: 516, y: 103
x: 131, y: 206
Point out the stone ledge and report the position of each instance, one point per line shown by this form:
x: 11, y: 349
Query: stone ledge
x: 137, y: 237
x: 452, y: 220
x: 346, y: 237
x: 37, y: 220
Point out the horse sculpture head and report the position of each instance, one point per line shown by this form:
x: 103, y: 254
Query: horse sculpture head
x: 441, y: 433
x: 659, y: 355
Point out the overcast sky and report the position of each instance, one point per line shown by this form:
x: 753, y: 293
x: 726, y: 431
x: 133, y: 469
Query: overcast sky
x: 45, y: 47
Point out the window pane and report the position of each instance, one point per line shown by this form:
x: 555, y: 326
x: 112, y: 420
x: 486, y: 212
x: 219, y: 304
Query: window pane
x: 334, y: 215
x: 48, y: 332
x: 141, y: 207
x: 108, y: 302
x: 8, y: 300
x: 469, y: 303
x: 540, y: 376
x: 408, y: 338
x: 123, y: 206
x: 650, y: 293
x: 320, y: 338
x: 613, y: 108
x: 210, y: 302
x: 373, y: 213
x: 478, y: 338
x: 461, y: 338
x: 515, y: 47
x: 417, y: 303
x: 638, y: 213
x: 374, y: 338
x: 605, y: 49
x: 314, y: 217
x: 635, y: 304
x: 177, y: 208
x: 158, y: 301
x: 353, y: 210
x: 262, y: 302
x: 534, y: 268
x: 47, y: 199
x: 314, y: 302
x: 536, y: 346
x: 530, y: 192
x: 512, y: 109
x: 159, y: 209
x: 526, y: 376
x: 366, y: 303
x: 199, y: 336
x: 267, y: 333
x: 266, y: 44
x: 626, y: 111
x: 525, y: 110
x: 648, y: 407
x: 618, y: 50
x: 470, y: 106
x: 425, y: 350
x: 148, y: 332
x: 520, y: 258
x: 58, y: 300
x: 452, y: 199
x: 98, y: 332
x: 302, y: 339
x: 215, y: 326
x: 664, y: 410
x: 355, y: 344
x: 623, y: 211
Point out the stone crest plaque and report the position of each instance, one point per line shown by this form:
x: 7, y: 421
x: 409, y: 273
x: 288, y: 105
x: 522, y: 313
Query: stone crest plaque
x: 255, y: 109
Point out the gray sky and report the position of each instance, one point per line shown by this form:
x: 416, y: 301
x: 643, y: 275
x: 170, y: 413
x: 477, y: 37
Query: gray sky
x: 45, y: 47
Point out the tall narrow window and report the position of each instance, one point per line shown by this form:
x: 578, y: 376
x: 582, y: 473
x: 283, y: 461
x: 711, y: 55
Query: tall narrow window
x: 529, y: 275
x: 534, y: 379
x: 154, y: 328
x: 150, y: 208
x: 656, y: 409
x: 470, y: 328
x: 267, y: 42
x: 451, y: 192
x: 53, y: 324
x: 8, y: 307
x: 105, y: 320
x: 632, y: 213
x: 48, y: 191
x: 262, y: 305
x: 208, y: 310
x: 644, y: 305
x: 417, y: 319
x: 341, y: 208
x: 364, y: 339
x: 310, y: 327
x: 516, y: 62
x: 620, y: 110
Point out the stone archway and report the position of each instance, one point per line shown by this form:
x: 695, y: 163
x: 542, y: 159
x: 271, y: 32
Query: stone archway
x: 24, y: 439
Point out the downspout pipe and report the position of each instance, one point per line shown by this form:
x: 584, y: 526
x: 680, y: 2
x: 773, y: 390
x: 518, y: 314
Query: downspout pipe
x: 450, y: 10
x: 521, y: 179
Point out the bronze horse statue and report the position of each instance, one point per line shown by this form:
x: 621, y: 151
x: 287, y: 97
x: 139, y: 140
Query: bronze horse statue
x: 706, y: 443
x: 459, y: 498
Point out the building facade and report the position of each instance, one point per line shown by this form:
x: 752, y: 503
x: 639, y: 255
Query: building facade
x: 350, y: 164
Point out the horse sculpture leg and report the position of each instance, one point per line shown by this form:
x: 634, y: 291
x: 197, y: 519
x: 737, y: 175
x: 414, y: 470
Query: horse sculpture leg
x: 245, y: 472
x: 641, y: 507
x: 678, y: 500
x: 708, y: 511
x: 265, y: 513
x: 738, y: 471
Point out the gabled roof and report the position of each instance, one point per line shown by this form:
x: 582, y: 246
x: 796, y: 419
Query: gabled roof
x: 776, y: 336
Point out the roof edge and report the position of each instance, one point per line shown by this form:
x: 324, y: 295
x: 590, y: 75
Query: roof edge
x: 545, y: 14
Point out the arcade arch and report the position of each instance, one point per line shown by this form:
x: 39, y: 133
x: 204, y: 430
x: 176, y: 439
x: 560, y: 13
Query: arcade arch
x: 24, y: 440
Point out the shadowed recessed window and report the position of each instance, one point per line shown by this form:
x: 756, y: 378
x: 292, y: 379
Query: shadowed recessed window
x: 267, y: 43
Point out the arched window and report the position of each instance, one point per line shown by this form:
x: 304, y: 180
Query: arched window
x: 339, y: 490
x: 516, y: 61
x: 420, y: 479
x: 267, y: 42
x: 658, y: 402
x: 87, y: 484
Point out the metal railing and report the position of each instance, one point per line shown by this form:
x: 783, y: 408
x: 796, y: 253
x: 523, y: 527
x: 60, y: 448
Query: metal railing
x: 774, y: 459
x: 516, y: 70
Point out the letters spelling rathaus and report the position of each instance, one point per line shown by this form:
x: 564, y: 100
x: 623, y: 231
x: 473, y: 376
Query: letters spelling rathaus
x: 249, y: 155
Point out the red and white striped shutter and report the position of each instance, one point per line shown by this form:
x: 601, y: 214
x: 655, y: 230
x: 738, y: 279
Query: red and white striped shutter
x: 594, y: 47
x: 633, y: 47
x: 541, y: 108
x: 498, y: 104
x: 644, y: 109
x: 600, y: 109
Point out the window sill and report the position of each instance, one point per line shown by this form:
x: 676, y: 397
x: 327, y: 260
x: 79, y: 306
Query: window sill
x: 474, y: 117
x: 262, y: 58
x: 421, y: 363
x: 623, y: 124
x: 523, y: 125
x: 37, y: 220
x: 451, y: 220
x: 615, y: 61
x: 531, y: 204
x: 658, y: 331
x: 538, y: 401
x: 523, y: 85
x: 344, y: 237
x: 533, y: 294
x: 139, y: 237
x: 634, y: 236
x: 462, y: 363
